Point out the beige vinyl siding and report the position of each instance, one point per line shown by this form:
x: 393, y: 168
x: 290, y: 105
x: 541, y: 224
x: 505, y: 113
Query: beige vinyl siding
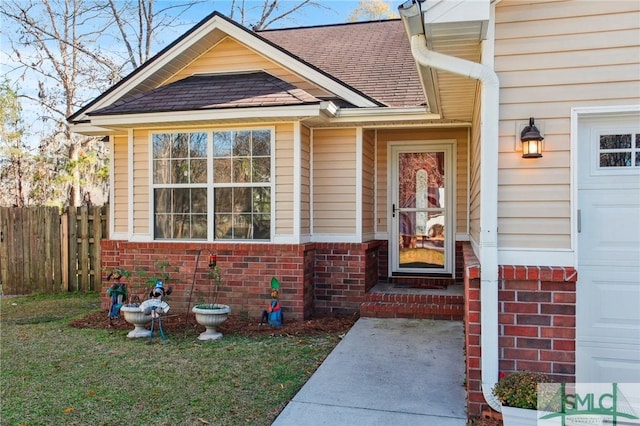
x: 474, y: 173
x: 178, y: 62
x: 120, y: 172
x: 305, y: 181
x: 401, y: 135
x: 461, y: 174
x: 284, y: 179
x: 382, y: 187
x: 368, y: 182
x: 141, y: 195
x: 334, y: 181
x: 550, y: 57
x: 231, y: 56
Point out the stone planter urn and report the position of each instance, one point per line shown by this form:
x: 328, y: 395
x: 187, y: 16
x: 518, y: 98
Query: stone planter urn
x: 211, y: 316
x: 133, y: 315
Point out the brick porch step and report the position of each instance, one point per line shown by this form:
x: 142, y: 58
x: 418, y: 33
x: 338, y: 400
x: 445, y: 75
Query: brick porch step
x: 389, y: 301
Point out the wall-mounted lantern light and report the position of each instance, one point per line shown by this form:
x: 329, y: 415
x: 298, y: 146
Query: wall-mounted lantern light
x: 531, y: 141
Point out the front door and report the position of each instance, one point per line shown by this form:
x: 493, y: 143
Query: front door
x: 421, y: 218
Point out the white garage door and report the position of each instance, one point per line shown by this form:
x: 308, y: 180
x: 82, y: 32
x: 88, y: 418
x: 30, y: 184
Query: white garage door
x: 608, y: 289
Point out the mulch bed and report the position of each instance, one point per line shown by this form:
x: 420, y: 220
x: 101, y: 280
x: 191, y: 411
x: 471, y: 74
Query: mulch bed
x: 234, y: 325
x: 489, y: 418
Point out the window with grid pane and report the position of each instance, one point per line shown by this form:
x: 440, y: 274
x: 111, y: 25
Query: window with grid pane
x: 220, y: 179
x: 180, y: 185
x: 619, y: 150
x: 242, y: 184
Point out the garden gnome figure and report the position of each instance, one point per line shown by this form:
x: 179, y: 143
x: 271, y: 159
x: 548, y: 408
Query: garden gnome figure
x: 273, y: 314
x: 117, y: 292
x: 156, y: 306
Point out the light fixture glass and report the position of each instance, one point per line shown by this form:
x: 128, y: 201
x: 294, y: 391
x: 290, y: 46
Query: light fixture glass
x: 531, y: 141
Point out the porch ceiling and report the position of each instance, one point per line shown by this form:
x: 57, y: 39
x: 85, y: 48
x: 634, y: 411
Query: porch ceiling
x: 452, y: 94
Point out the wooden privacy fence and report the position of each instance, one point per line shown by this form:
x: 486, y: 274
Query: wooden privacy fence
x: 43, y: 251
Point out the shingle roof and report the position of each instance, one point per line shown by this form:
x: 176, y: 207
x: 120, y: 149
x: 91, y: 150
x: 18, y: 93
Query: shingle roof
x: 373, y: 57
x: 213, y: 91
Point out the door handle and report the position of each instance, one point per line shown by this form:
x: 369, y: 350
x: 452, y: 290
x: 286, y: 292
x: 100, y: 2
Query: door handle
x: 393, y: 210
x: 579, y: 221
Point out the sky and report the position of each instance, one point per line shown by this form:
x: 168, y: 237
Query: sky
x: 337, y: 11
x: 331, y: 12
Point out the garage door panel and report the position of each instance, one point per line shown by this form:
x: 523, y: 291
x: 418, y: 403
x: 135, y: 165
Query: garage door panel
x: 610, y: 309
x: 608, y: 290
x: 613, y: 227
x: 615, y: 363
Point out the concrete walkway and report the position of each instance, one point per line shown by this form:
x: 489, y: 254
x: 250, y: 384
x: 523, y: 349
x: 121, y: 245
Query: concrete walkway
x: 387, y: 372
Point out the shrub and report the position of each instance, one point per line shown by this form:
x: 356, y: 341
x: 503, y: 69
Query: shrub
x: 520, y: 389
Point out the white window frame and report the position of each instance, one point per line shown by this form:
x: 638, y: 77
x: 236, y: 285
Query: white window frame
x: 596, y: 169
x: 210, y: 185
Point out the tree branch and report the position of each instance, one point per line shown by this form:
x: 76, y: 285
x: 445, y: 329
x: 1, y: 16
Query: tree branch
x: 123, y: 33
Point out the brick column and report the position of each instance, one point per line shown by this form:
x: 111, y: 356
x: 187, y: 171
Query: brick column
x: 344, y: 272
x: 536, y: 323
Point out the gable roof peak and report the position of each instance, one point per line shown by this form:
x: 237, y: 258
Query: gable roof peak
x: 157, y: 69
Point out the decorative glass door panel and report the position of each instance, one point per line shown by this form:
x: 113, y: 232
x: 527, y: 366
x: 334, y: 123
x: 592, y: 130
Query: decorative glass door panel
x: 420, y: 212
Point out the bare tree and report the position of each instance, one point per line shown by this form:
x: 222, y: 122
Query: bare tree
x: 266, y: 13
x: 59, y: 53
x: 65, y: 52
x: 138, y: 23
x: 55, y: 45
x: 372, y: 10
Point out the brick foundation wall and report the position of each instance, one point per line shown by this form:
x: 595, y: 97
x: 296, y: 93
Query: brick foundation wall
x: 247, y: 269
x: 383, y: 262
x: 372, y: 258
x: 536, y: 323
x: 342, y: 276
x: 309, y: 281
x: 459, y: 267
x: 322, y: 278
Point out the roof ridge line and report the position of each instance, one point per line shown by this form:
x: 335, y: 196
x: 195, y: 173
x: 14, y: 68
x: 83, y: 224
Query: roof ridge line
x: 339, y: 24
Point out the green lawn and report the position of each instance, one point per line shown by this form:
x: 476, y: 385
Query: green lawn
x: 53, y: 374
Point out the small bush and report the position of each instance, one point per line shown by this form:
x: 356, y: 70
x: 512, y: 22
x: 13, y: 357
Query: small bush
x: 520, y: 389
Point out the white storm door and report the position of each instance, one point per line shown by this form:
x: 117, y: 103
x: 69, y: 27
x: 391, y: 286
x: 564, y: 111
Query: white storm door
x: 608, y: 288
x: 421, y: 219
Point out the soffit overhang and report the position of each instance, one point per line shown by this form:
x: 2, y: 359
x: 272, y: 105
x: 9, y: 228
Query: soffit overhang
x: 454, y: 28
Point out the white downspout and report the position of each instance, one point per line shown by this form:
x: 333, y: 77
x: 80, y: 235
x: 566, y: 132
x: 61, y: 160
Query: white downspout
x: 488, y: 244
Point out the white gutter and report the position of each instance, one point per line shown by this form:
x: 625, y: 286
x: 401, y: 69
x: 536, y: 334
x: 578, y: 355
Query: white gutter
x: 295, y: 112
x: 395, y: 111
x: 86, y: 128
x: 488, y: 245
x: 366, y: 115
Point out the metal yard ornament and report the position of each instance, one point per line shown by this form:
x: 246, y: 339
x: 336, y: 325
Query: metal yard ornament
x: 273, y: 314
x: 156, y: 306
